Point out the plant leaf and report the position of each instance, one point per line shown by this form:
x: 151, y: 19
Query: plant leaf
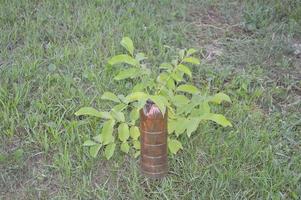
x: 160, y: 101
x: 134, y: 132
x: 219, y: 97
x: 127, y: 73
x: 179, y: 100
x: 177, y: 76
x: 123, y: 99
x: 107, y: 132
x: 127, y: 43
x: 181, y: 54
x: 138, y: 87
x: 188, y: 88
x: 174, y: 145
x: 92, y: 112
x: 136, y: 144
x: 181, y: 126
x: 218, y: 118
x: 140, y: 56
x: 119, y: 116
x: 171, y: 125
x: 123, y: 132
x: 190, y: 51
x: 134, y: 114
x: 184, y: 69
x: 191, y: 60
x: 119, y: 107
x: 139, y: 104
x: 165, y: 66
x: 94, y: 150
x: 125, y: 147
x: 88, y: 143
x: 123, y: 58
x: 110, y: 96
x: 109, y: 150
x: 192, y: 125
x: 171, y: 84
x: 162, y: 77
x: 137, y: 96
x: 137, y: 153
x: 98, y: 138
x: 204, y: 108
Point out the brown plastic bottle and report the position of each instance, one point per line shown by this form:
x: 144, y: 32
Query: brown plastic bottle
x: 153, y: 139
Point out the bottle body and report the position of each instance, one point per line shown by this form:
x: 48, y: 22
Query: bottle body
x: 153, y: 139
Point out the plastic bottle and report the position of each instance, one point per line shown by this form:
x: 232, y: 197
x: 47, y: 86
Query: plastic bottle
x: 153, y: 139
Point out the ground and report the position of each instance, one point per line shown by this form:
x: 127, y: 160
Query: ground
x: 53, y: 57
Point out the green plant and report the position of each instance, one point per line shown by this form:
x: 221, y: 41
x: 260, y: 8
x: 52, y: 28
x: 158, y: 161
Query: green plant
x: 170, y: 89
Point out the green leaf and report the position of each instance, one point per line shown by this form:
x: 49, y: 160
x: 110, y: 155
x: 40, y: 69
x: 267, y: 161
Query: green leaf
x: 88, y: 143
x: 172, y: 124
x: 188, y: 88
x: 177, y: 76
x: 174, y: 145
x: 94, y: 150
x: 181, y: 54
x: 185, y: 108
x: 192, y: 125
x: 165, y: 66
x: 162, y: 78
x: 178, y: 125
x: 179, y: 100
x: 219, y: 97
x: 184, y: 69
x: 190, y: 51
x: 204, y: 108
x: 134, y: 114
x: 139, y: 104
x: 109, y: 150
x: 137, y: 153
x: 137, y: 96
x: 119, y: 107
x: 123, y: 132
x: 119, y: 116
x: 98, y: 138
x: 127, y: 73
x: 192, y: 60
x: 123, y: 58
x: 175, y: 62
x: 123, y: 99
x: 125, y: 147
x: 140, y: 56
x: 107, y: 132
x: 110, y: 96
x: 134, y: 132
x: 138, y: 87
x: 127, y: 43
x: 171, y: 113
x: 92, y: 112
x: 181, y: 126
x: 218, y: 118
x: 171, y: 84
x: 136, y: 144
x: 160, y: 101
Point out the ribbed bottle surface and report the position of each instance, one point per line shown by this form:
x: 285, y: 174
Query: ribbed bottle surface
x: 153, y: 128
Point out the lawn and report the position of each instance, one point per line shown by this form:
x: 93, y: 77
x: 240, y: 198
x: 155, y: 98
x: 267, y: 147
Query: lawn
x: 53, y: 60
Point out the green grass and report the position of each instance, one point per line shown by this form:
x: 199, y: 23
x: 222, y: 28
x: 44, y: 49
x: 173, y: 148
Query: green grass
x: 53, y: 58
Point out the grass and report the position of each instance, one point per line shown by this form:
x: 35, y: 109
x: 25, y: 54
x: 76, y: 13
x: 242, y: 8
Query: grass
x: 53, y: 61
